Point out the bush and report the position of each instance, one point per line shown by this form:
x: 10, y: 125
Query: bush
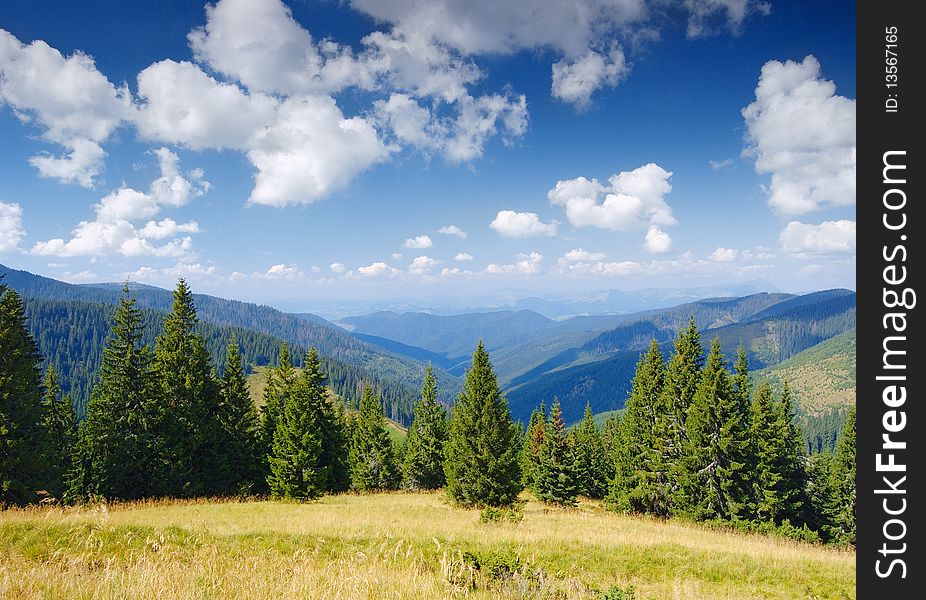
x: 616, y: 592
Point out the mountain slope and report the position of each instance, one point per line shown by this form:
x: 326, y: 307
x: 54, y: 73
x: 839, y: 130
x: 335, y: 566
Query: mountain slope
x: 821, y: 377
x: 452, y: 337
x: 600, y: 370
x: 302, y: 331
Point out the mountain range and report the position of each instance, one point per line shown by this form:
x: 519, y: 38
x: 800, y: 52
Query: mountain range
x: 579, y: 359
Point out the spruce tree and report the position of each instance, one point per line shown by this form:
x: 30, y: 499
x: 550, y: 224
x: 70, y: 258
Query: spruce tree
x: 555, y: 476
x: 21, y: 433
x: 682, y: 378
x: 333, y: 460
x: 423, y: 465
x: 372, y: 458
x: 592, y: 467
x: 714, y: 453
x: 842, y: 482
x: 768, y: 444
x: 60, y: 433
x: 190, y: 397
x: 279, y: 381
x: 530, y: 446
x: 240, y: 467
x: 793, y: 460
x: 120, y: 447
x: 481, y: 464
x: 640, y: 482
x: 295, y: 465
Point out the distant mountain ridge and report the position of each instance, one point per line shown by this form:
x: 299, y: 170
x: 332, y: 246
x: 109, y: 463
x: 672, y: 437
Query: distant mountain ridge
x: 302, y: 331
x: 578, y: 359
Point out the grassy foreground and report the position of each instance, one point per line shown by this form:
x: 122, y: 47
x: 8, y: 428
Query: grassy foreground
x: 395, y: 545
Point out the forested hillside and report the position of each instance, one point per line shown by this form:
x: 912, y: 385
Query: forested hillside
x: 82, y: 334
x: 71, y: 335
x: 599, y: 370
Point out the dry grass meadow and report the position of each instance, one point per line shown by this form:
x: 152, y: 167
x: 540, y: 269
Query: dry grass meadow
x: 395, y: 545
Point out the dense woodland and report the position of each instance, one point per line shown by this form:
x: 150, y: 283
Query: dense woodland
x: 167, y: 416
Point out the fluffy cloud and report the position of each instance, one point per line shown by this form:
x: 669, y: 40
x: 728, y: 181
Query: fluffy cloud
x: 721, y: 254
x: 507, y: 26
x: 803, y: 134
x: 574, y: 81
x: 829, y: 237
x: 478, y: 120
x: 463, y: 257
x: 263, y: 47
x: 374, y: 270
x: 703, y: 15
x: 579, y: 255
x: 519, y: 225
x: 113, y: 231
x: 74, y: 104
x: 283, y: 271
x: 11, y: 227
x: 657, y: 241
x: 573, y: 29
x: 311, y: 151
x: 422, y: 265
x: 527, y: 264
x: 633, y: 200
x: 337, y: 267
x: 419, y: 242
x: 452, y: 230
x: 181, y: 104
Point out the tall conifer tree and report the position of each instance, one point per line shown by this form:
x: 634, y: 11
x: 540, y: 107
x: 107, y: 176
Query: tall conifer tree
x: 423, y: 466
x: 481, y: 464
x: 640, y: 481
x: 240, y: 468
x: 715, y: 446
x: 682, y: 377
x: 190, y: 397
x: 592, y: 466
x: 555, y: 476
x: 21, y: 432
x: 295, y: 465
x: 530, y: 446
x: 61, y: 434
x: 842, y: 481
x: 793, y: 459
x: 333, y: 460
x: 120, y: 447
x: 372, y: 457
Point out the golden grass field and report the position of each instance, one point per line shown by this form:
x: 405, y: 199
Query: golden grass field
x: 394, y: 545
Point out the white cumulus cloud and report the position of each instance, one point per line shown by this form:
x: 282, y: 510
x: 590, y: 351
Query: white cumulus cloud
x: 657, y: 241
x: 311, y: 151
x: 721, y: 254
x: 11, y: 226
x: 829, y: 237
x: 579, y: 255
x: 452, y: 230
x: 574, y: 81
x: 422, y: 265
x: 114, y: 230
x: 519, y: 225
x: 803, y: 134
x: 526, y: 264
x: 74, y: 104
x: 418, y: 242
x: 463, y: 257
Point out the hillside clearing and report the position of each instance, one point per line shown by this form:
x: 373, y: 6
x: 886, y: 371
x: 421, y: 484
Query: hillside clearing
x: 396, y: 545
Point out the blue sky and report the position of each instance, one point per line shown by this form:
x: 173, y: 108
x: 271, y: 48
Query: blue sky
x: 316, y: 150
